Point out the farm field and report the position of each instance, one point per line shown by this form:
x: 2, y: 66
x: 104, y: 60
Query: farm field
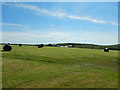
x: 57, y: 67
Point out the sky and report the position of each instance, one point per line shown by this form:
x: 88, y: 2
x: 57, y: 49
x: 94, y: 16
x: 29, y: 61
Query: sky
x: 60, y: 22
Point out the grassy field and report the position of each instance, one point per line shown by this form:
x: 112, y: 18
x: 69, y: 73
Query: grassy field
x: 56, y: 67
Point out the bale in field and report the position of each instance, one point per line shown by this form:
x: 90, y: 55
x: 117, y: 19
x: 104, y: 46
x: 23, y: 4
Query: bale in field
x: 7, y: 48
x: 106, y: 50
x: 20, y: 44
x: 40, y: 46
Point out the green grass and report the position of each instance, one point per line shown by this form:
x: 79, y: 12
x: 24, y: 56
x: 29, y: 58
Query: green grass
x: 55, y: 67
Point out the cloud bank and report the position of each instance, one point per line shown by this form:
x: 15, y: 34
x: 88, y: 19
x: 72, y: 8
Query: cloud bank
x: 57, y: 36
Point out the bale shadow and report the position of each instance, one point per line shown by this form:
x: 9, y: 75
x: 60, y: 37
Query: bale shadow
x: 3, y: 51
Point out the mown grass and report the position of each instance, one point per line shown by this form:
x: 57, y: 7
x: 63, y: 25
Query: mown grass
x: 55, y: 67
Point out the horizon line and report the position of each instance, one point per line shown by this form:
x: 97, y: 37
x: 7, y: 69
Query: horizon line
x: 60, y: 43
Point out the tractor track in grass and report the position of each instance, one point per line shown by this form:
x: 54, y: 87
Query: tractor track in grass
x: 100, y: 67
x: 79, y: 64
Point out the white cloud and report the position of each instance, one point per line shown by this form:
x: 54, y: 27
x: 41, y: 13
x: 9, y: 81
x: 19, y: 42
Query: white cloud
x: 60, y: 13
x: 86, y: 18
x: 11, y: 24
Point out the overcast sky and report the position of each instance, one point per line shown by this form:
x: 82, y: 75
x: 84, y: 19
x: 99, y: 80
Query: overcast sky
x: 60, y: 22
